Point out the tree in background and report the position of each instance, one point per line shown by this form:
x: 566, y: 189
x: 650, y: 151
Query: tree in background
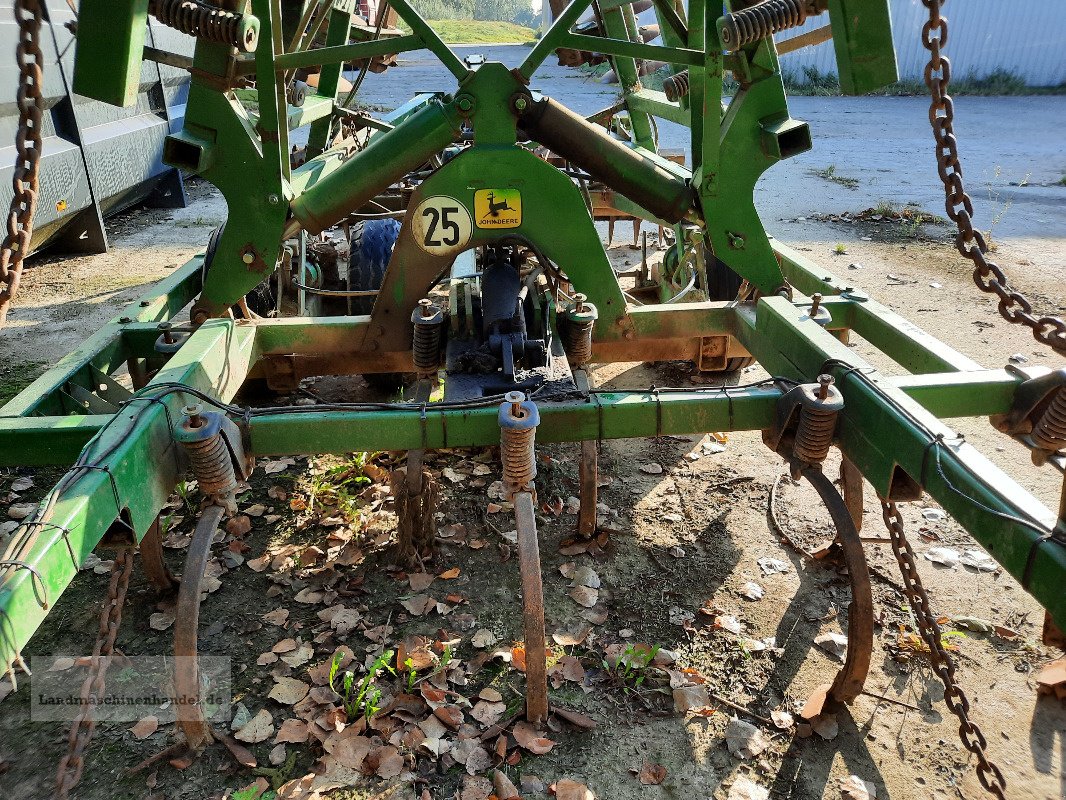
x: 517, y: 11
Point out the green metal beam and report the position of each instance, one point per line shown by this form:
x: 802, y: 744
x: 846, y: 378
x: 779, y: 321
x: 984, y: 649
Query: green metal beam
x: 357, y: 51
x: 618, y: 47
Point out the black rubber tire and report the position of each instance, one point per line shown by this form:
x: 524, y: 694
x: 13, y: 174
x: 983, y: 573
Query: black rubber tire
x: 724, y: 284
x: 372, y: 244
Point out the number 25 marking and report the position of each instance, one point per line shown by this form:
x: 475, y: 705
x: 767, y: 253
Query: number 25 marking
x: 449, y: 226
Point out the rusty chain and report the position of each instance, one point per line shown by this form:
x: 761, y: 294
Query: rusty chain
x: 929, y: 629
x: 81, y: 732
x: 24, y: 181
x: 989, y: 277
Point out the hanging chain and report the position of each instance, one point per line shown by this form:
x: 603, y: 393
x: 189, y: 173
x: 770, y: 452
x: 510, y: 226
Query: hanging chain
x: 81, y: 732
x: 30, y: 61
x: 972, y: 739
x: 989, y: 277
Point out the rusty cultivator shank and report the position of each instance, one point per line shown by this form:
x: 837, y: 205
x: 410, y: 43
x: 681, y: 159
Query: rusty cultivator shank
x: 453, y: 240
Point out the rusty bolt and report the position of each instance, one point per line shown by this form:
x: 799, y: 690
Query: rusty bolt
x: 125, y: 320
x: 816, y: 302
x: 194, y: 415
x: 515, y: 399
x: 579, y: 302
x: 824, y: 382
x: 165, y: 327
x: 425, y: 306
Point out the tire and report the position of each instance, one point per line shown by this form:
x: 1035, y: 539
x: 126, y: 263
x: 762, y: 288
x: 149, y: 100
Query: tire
x: 260, y: 299
x: 724, y: 284
x: 372, y: 244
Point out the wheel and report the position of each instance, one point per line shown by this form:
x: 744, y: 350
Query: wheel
x: 724, y: 284
x: 260, y: 299
x: 372, y: 244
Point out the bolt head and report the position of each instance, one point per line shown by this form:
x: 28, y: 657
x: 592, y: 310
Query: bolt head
x: 521, y: 104
x: 273, y: 199
x: 248, y: 258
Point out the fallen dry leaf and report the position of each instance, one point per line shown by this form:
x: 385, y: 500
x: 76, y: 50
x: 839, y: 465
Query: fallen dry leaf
x: 833, y: 643
x: 145, y: 727
x: 782, y: 719
x: 452, y: 716
x: 825, y: 725
x: 744, y: 739
x: 526, y: 736
x: 449, y: 574
x: 161, y: 620
x: 651, y: 774
x: 855, y: 788
x: 572, y: 790
x: 420, y: 580
x: 293, y: 731
x: 419, y: 604
x: 289, y: 691
x: 745, y: 789
x: 488, y: 713
x: 484, y: 638
x: 584, y: 596
x: 690, y: 698
x: 279, y: 616
x: 258, y: 729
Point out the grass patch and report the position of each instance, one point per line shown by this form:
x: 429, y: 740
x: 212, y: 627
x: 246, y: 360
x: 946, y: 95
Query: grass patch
x: 473, y: 31
x: 830, y: 174
x: 811, y: 81
x: 16, y: 377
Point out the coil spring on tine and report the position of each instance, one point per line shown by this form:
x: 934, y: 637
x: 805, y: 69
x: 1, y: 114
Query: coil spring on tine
x: 212, y: 466
x: 426, y: 347
x: 202, y: 21
x: 578, y: 342
x: 1050, y: 431
x: 676, y: 86
x: 519, y: 459
x: 814, y: 434
x: 748, y: 25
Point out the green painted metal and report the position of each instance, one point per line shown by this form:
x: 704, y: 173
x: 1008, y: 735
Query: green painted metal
x: 892, y: 424
x: 110, y: 50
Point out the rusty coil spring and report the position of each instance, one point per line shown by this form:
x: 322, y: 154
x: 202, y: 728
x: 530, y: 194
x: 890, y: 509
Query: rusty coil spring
x: 676, y: 86
x: 929, y: 629
x: 748, y: 25
x: 577, y: 341
x: 814, y: 434
x: 426, y: 346
x: 24, y: 180
x: 1050, y: 431
x: 81, y: 732
x: 212, y: 465
x: 989, y: 277
x: 205, y: 22
x: 519, y: 459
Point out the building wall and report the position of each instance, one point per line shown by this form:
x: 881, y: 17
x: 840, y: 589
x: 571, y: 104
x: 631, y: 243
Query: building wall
x: 1024, y: 37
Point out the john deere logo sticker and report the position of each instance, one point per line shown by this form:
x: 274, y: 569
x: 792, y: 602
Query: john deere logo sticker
x: 497, y: 208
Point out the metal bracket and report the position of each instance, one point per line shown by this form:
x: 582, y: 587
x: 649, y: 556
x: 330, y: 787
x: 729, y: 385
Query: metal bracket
x: 281, y: 372
x: 713, y: 353
x: 1031, y: 400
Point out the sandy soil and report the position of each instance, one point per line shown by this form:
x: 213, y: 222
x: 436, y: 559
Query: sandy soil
x: 686, y: 538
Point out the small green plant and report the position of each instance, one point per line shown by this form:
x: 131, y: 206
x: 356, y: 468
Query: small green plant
x: 632, y: 665
x: 840, y: 249
x: 830, y: 174
x: 411, y: 673
x: 1062, y: 181
x: 362, y: 700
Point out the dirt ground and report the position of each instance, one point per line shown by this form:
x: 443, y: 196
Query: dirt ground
x: 689, y: 524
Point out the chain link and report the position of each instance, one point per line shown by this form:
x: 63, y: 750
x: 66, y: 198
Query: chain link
x: 989, y: 277
x: 81, y: 732
x: 929, y: 629
x: 24, y: 181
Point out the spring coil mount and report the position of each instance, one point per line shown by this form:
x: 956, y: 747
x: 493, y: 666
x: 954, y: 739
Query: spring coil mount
x: 749, y: 25
x: 518, y: 427
x: 818, y: 410
x: 581, y: 317
x: 428, y: 322
x: 209, y: 23
x: 676, y: 86
x: 209, y: 456
x: 1050, y: 432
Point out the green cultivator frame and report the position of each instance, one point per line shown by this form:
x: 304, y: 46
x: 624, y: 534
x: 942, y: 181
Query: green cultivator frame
x: 490, y: 224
